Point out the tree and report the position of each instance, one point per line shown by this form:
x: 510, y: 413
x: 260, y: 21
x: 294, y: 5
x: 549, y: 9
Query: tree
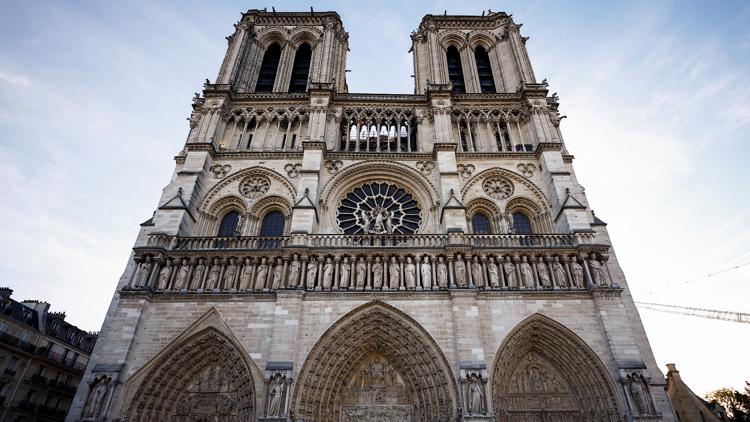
x: 736, y: 403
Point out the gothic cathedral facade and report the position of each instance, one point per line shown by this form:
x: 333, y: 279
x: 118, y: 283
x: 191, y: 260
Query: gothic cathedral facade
x: 320, y: 255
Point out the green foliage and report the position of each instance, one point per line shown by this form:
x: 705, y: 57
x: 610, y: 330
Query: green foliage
x: 736, y: 403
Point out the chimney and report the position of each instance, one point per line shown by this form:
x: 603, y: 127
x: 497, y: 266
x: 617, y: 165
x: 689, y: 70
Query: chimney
x: 6, y: 292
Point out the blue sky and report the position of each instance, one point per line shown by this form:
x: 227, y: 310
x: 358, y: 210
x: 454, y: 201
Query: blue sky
x: 94, y: 96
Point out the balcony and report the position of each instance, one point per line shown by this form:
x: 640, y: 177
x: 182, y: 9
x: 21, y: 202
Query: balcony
x: 61, y: 387
x: 59, y: 360
x: 542, y: 262
x: 38, y: 380
x: 16, y: 343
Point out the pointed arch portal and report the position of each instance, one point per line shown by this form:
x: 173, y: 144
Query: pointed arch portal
x: 204, y: 377
x: 545, y: 372
x: 376, y: 363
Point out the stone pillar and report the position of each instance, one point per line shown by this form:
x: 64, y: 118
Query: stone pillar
x: 305, y: 209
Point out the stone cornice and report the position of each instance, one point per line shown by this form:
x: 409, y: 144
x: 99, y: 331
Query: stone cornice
x: 473, y: 22
x: 265, y: 155
x: 469, y: 156
x: 349, y: 155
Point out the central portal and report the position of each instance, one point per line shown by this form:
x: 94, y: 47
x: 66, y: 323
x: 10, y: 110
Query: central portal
x: 376, y: 392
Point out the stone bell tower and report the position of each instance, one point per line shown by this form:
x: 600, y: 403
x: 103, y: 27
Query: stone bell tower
x: 326, y: 256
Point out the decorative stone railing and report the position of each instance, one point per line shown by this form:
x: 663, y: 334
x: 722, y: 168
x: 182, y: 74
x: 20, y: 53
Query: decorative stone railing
x: 371, y: 262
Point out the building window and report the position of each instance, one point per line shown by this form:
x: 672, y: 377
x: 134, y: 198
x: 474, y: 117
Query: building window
x: 301, y: 68
x: 3, y: 327
x: 521, y: 223
x: 480, y: 224
x: 25, y: 336
x: 272, y: 225
x: 228, y: 226
x: 484, y: 70
x: 455, y: 71
x: 12, y: 364
x: 268, y: 68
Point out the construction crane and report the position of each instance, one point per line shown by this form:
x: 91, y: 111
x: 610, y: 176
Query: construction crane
x: 697, y: 312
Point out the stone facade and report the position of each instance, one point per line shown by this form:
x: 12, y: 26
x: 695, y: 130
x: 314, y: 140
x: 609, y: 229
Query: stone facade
x: 327, y: 256
x: 42, y: 358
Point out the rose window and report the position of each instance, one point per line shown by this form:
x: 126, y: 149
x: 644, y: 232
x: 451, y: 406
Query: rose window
x: 498, y: 188
x: 379, y: 208
x: 255, y: 186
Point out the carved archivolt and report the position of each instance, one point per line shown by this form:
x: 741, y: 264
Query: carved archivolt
x: 225, y: 185
x: 518, y: 181
x: 205, y: 376
x: 406, y: 373
x: 543, y: 365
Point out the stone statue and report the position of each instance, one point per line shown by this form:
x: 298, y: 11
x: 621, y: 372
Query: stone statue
x: 527, y: 274
x: 541, y: 269
x: 198, y: 273
x: 477, y: 273
x: 410, y: 270
x: 639, y: 394
x: 494, y: 273
x: 394, y: 274
x: 597, y: 271
x: 95, y: 402
x: 261, y: 275
x: 312, y: 272
x: 346, y: 270
x: 166, y: 270
x: 293, y: 276
x: 460, y: 272
x: 327, y: 274
x: 577, y: 271
x: 278, y: 273
x: 361, y: 269
x: 509, y: 268
x: 213, y: 275
x: 229, y: 274
x: 442, y: 273
x: 143, y: 273
x: 476, y: 396
x: 425, y: 272
x: 377, y: 274
x: 559, y: 271
x: 276, y: 395
x: 180, y: 281
x: 246, y: 275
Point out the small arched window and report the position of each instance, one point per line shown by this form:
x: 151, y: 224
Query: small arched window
x: 228, y: 226
x: 272, y: 224
x: 455, y: 70
x: 484, y: 70
x: 301, y: 68
x: 268, y: 67
x: 480, y: 224
x: 521, y: 223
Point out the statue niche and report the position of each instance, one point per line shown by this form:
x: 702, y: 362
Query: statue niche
x: 376, y: 392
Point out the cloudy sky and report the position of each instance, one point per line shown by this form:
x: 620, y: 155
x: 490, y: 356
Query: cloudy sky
x: 94, y: 96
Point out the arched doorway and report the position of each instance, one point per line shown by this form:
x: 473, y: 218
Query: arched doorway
x: 376, y: 363
x: 544, y: 372
x: 205, y: 377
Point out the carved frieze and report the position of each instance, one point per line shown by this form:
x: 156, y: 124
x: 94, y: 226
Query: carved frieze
x: 527, y: 169
x: 425, y: 167
x: 466, y: 170
x: 292, y: 169
x: 220, y: 170
x: 333, y: 166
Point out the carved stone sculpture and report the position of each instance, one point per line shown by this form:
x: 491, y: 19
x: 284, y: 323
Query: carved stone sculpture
x: 278, y: 272
x: 639, y: 394
x: 261, y: 274
x: 597, y: 271
x: 246, y: 275
x: 475, y: 404
x: 275, y: 396
x: 327, y: 274
x: 346, y: 270
x: 460, y: 268
x: 510, y: 273
x: 166, y: 270
x: 143, y: 273
x: 229, y: 274
x: 213, y: 275
x: 180, y: 281
x: 97, y: 396
x: 394, y: 274
x: 477, y: 273
x: 561, y: 278
x: 410, y: 276
x: 527, y: 274
x: 377, y: 274
x: 425, y: 272
x: 198, y: 273
x: 442, y: 273
x: 361, y: 275
x: 577, y: 271
x: 543, y: 272
x: 494, y: 273
x: 293, y: 276
x: 312, y: 272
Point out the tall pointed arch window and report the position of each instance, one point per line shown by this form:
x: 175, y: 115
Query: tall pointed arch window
x: 455, y: 70
x: 268, y: 68
x: 301, y: 68
x: 228, y: 226
x: 484, y: 70
x: 272, y: 224
x: 480, y: 224
x: 521, y: 223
